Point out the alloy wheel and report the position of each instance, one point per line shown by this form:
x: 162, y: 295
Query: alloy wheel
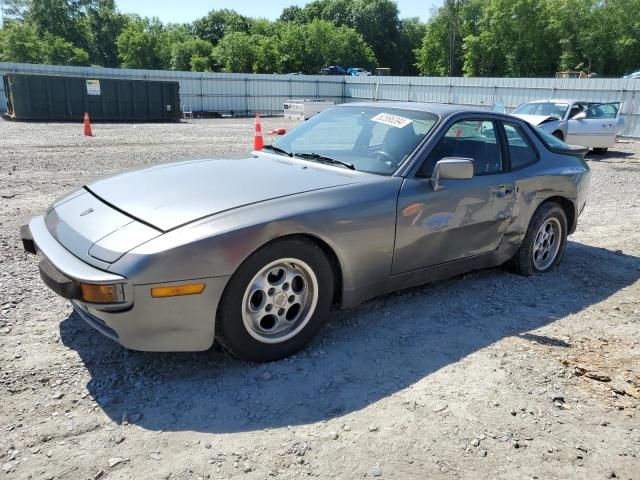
x: 280, y: 300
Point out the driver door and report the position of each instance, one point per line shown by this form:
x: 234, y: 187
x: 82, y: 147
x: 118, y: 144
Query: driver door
x: 462, y: 218
x: 596, y: 127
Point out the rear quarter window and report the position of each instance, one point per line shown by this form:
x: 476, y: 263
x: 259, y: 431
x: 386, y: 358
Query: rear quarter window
x: 521, y: 152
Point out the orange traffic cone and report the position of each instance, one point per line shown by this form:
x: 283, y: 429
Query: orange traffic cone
x: 258, y: 141
x: 87, y: 125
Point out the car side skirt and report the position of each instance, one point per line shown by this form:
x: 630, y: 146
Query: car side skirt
x: 431, y: 274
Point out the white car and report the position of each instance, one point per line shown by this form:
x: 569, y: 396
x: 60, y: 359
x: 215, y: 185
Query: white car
x: 577, y: 122
x: 358, y: 72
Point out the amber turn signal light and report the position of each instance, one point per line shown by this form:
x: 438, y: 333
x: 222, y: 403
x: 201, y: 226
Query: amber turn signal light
x: 177, y: 290
x: 101, y: 293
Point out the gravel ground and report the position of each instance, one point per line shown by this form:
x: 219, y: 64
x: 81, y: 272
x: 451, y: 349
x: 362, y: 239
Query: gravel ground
x: 488, y: 375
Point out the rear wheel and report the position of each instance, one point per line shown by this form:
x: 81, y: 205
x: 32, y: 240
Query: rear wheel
x: 275, y: 302
x: 544, y: 242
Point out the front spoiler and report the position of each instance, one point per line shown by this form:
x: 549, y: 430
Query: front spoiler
x: 58, y: 282
x: 185, y: 323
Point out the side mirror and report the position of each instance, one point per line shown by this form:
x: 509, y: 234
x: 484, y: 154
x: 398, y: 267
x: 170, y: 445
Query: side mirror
x: 451, y: 168
x: 580, y: 116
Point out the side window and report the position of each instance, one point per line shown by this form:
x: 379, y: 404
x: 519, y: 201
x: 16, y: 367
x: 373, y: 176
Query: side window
x: 474, y: 139
x: 575, y: 110
x: 521, y: 152
x: 607, y: 110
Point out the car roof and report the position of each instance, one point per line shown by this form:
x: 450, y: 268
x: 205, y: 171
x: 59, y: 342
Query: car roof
x: 440, y: 109
x: 558, y: 100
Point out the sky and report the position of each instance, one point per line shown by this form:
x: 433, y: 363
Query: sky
x: 189, y: 10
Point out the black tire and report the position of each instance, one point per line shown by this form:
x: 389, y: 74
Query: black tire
x: 558, y: 134
x: 231, y: 331
x: 600, y: 151
x: 522, y: 262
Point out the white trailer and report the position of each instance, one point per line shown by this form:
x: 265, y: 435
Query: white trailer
x: 305, y: 108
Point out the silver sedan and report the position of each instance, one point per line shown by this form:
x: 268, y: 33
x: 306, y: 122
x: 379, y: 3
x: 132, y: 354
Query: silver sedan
x: 361, y: 200
x: 577, y: 122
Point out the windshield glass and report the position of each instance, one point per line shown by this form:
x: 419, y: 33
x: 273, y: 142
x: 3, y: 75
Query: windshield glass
x: 370, y: 139
x: 548, y: 109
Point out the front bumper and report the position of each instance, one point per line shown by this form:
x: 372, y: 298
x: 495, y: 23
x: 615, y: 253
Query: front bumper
x: 185, y: 323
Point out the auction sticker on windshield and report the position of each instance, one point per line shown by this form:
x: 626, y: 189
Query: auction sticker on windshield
x: 393, y: 120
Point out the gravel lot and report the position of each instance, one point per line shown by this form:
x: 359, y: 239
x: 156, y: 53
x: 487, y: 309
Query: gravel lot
x: 488, y: 375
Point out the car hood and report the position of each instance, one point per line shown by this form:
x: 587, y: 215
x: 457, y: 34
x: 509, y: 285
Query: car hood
x: 535, y: 120
x: 169, y: 196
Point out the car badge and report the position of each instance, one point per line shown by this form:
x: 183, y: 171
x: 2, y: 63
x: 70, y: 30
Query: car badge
x: 86, y: 212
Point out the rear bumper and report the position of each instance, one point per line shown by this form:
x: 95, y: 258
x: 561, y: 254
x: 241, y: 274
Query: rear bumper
x: 184, y: 323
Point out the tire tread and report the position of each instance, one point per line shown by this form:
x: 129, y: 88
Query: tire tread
x: 522, y: 262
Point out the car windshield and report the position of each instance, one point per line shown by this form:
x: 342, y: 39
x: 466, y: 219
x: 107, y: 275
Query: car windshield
x: 368, y: 139
x: 548, y: 109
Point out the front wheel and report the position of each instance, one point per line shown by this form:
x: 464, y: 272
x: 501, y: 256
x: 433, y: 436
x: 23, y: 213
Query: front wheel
x: 275, y: 302
x: 544, y: 242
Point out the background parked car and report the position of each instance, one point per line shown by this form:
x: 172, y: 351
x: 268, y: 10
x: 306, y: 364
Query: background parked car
x: 333, y: 70
x: 577, y: 122
x: 358, y: 72
x: 632, y: 75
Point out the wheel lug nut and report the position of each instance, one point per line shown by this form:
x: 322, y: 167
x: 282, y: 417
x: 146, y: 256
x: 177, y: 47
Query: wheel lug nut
x: 285, y: 287
x: 291, y: 299
x: 281, y: 312
x: 268, y: 308
x: 271, y: 292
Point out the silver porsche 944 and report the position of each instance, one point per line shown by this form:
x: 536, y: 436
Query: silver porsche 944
x: 363, y: 199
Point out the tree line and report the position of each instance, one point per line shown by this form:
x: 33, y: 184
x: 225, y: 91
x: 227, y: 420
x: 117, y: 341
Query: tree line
x: 531, y: 38
x: 363, y: 33
x: 462, y: 37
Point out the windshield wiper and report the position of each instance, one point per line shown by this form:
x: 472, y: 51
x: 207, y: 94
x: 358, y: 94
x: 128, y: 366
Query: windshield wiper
x: 324, y: 159
x: 278, y: 150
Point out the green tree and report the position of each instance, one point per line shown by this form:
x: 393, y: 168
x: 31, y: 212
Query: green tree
x: 378, y: 23
x: 292, y: 48
x: 144, y: 44
x: 441, y: 52
x: 610, y: 43
x: 183, y: 54
x: 57, y: 17
x: 236, y: 52
x: 292, y: 14
x: 310, y: 47
x: 267, y: 54
x: 19, y: 42
x: 104, y: 24
x: 412, y: 31
x: 58, y: 51
x: 433, y: 56
x: 376, y: 20
x: 202, y: 64
x: 218, y: 23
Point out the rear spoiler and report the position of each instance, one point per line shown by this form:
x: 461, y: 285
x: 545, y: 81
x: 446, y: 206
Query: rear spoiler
x: 566, y: 149
x: 573, y: 150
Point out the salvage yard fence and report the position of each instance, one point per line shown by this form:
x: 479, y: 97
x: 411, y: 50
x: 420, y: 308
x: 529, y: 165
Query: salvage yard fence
x: 246, y: 94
